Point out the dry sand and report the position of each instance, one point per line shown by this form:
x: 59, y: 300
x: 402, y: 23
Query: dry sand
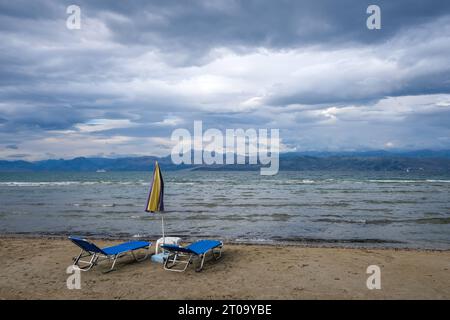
x: 35, y: 269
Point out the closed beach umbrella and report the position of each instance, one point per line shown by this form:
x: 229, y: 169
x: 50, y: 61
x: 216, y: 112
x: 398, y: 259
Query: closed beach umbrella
x: 155, y: 202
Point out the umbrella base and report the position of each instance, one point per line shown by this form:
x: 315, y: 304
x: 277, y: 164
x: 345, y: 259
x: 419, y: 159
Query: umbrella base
x: 160, y: 257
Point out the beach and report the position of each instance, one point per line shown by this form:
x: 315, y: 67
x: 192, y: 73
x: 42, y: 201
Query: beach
x: 35, y: 268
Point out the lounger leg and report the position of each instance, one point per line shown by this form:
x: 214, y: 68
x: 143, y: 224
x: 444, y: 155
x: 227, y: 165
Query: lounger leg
x: 173, y: 262
x: 115, y: 257
x: 202, y: 261
x: 89, y: 264
x: 94, y: 260
x: 143, y: 258
x: 75, y: 260
x: 114, y: 262
x: 166, y: 262
x: 217, y: 255
x: 188, y: 263
x: 171, y: 258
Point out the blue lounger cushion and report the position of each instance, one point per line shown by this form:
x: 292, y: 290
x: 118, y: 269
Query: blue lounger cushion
x: 174, y: 247
x: 125, y: 247
x: 198, y: 248
x: 110, y: 251
x: 85, y: 245
x: 114, y: 252
x: 202, y: 246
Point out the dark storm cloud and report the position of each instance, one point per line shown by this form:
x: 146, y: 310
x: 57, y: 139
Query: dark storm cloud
x: 18, y: 155
x: 279, y: 24
x: 33, y: 10
x: 139, y: 69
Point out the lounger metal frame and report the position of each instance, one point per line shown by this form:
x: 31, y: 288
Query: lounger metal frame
x: 176, y: 258
x: 97, y: 257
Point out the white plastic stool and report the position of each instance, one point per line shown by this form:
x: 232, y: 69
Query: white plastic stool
x: 166, y: 240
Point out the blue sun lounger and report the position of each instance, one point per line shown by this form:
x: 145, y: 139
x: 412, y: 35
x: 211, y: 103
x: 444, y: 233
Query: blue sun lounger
x: 88, y: 249
x: 195, y: 251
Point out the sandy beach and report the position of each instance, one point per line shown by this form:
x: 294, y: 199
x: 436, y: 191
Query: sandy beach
x: 35, y: 268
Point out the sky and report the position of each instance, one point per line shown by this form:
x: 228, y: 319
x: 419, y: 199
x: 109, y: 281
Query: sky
x: 137, y: 70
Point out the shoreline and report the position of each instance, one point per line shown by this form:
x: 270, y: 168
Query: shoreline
x: 270, y: 243
x: 35, y: 268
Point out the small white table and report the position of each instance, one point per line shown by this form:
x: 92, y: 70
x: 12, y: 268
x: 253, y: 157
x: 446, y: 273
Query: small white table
x: 166, y: 240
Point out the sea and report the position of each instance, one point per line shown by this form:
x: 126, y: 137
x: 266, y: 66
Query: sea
x: 317, y: 208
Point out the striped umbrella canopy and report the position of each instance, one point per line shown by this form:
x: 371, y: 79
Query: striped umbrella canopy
x: 155, y: 202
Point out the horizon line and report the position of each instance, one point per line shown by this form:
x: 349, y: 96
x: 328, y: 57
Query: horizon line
x: 223, y: 154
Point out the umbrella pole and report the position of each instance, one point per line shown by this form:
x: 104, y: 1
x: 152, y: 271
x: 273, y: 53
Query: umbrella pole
x: 162, y: 225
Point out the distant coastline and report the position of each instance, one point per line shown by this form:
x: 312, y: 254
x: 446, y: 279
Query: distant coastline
x: 408, y: 161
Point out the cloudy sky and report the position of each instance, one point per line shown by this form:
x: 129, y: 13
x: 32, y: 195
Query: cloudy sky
x: 137, y: 70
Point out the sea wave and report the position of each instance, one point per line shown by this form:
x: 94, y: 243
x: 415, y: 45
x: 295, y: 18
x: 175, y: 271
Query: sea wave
x: 40, y: 183
x: 66, y: 183
x: 190, y: 183
x: 296, y: 181
x: 408, y: 181
x: 387, y: 221
x: 394, y: 181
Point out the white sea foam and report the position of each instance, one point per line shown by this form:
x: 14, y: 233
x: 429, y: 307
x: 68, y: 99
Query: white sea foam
x: 39, y: 183
x: 409, y: 181
x: 254, y: 240
x: 63, y: 183
x: 182, y: 183
x: 297, y: 181
x: 108, y: 205
x: 395, y: 181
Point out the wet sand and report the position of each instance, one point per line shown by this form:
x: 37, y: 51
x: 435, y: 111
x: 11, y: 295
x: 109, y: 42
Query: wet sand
x: 35, y: 268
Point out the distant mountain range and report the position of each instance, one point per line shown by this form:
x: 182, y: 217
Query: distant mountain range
x: 421, y: 160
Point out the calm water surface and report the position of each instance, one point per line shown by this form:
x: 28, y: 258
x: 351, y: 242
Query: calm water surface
x: 325, y: 208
